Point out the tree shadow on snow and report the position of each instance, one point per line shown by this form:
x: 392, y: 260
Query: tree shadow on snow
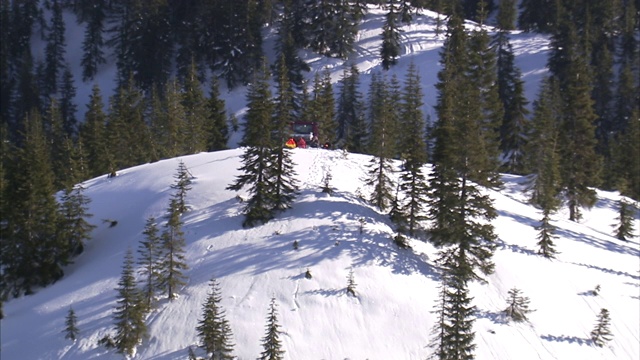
x: 515, y: 248
x: 598, y: 243
x: 496, y: 317
x: 609, y: 271
x: 567, y: 339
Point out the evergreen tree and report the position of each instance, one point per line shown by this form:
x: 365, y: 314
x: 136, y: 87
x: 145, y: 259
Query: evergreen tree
x: 284, y: 184
x: 71, y: 329
x: 624, y: 229
x: 150, y: 251
x: 181, y: 186
x: 518, y: 306
x: 93, y: 43
x: 538, y: 15
x: 351, y: 284
x: 507, y: 15
x: 31, y: 253
x: 286, y: 49
x: 74, y: 229
x: 68, y: 106
x: 459, y: 212
x: 213, y: 328
x: 271, y: 341
x: 257, y: 158
x: 55, y: 48
x: 217, y: 129
x: 514, y: 126
x: 454, y: 334
x: 351, y: 129
x: 390, y: 50
x: 321, y: 108
x: 173, y: 261
x: 383, y: 122
x: 543, y: 161
x: 412, y: 182
x: 93, y: 135
x: 601, y: 333
x: 333, y: 25
x: 196, y: 113
x: 129, y: 314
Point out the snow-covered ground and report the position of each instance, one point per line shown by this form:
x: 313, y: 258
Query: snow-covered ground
x: 391, y: 318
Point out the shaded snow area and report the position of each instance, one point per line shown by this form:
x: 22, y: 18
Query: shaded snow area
x: 392, y: 315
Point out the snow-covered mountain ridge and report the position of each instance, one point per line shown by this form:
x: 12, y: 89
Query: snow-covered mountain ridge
x: 391, y: 318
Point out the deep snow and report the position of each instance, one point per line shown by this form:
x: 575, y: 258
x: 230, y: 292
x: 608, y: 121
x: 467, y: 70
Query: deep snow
x: 392, y: 316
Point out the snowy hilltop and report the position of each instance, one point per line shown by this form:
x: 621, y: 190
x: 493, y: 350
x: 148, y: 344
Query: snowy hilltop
x: 390, y: 317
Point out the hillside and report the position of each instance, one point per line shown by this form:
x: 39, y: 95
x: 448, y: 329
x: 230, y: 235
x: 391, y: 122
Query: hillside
x: 392, y: 316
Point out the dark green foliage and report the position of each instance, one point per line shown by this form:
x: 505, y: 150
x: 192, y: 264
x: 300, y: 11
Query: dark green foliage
x: 197, y: 129
x: 217, y: 119
x: 351, y: 284
x: 93, y: 43
x: 453, y: 332
x: 307, y: 274
x: 514, y: 128
x: 93, y: 133
x: 172, y: 264
x: 383, y: 118
x: 518, y: 306
x: 71, y: 328
x: 74, y: 229
x: 286, y: 49
x: 390, y: 50
x: 507, y: 15
x: 182, y: 185
x: 32, y: 253
x: 150, y: 252
x: 333, y: 25
x: 546, y: 235
x: 413, y: 153
x: 258, y: 156
x: 55, y: 49
x: 271, y: 341
x: 601, y: 333
x: 326, y: 183
x: 624, y: 229
x: 321, y: 108
x: 213, y: 328
x: 67, y: 101
x: 351, y: 128
x: 538, y: 15
x: 130, y: 312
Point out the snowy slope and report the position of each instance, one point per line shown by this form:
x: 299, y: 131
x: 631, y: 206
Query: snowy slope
x: 392, y: 316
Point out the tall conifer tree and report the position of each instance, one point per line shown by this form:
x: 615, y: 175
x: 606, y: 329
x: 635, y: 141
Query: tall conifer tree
x: 213, y: 328
x: 130, y: 312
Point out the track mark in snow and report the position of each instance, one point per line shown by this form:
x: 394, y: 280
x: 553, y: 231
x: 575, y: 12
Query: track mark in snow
x: 295, y: 296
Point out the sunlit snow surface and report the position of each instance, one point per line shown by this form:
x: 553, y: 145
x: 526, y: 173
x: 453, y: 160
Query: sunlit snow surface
x: 392, y: 316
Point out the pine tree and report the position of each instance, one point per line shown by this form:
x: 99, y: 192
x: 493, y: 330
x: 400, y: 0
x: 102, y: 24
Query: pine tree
x: 74, y: 229
x: 459, y: 212
x: 71, y: 329
x: 601, y: 333
x: 55, y: 48
x: 412, y: 182
x: 351, y: 284
x: 351, y: 130
x: 286, y: 49
x: 518, y: 306
x: 93, y: 43
x: 218, y: 130
x: 31, y: 253
x: 390, y: 49
x: 181, y: 186
x: 454, y: 334
x: 173, y: 264
x: 383, y: 125
x: 150, y: 253
x: 507, y: 15
x: 68, y: 106
x: 283, y: 175
x: 271, y: 342
x: 93, y: 134
x: 196, y: 113
x: 213, y: 328
x: 257, y: 158
x: 129, y: 314
x: 624, y: 229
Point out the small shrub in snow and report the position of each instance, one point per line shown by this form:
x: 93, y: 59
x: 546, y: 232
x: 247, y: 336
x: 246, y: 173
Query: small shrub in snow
x: 307, y: 274
x: 296, y: 245
x: 326, y: 184
x: 401, y: 242
x: 518, y: 306
x: 362, y: 222
x: 596, y: 291
x: 351, y: 284
x: 601, y: 333
x: 71, y: 330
